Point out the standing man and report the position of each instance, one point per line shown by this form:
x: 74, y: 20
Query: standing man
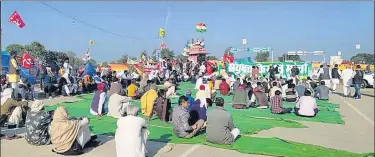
x: 347, y: 75
x: 271, y: 72
x: 13, y: 76
x: 67, y: 69
x: 325, y: 75
x: 335, y: 77
x: 357, y: 81
x: 294, y: 72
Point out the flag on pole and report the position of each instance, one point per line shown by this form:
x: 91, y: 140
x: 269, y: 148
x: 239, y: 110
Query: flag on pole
x: 87, y: 56
x: 161, y: 32
x: 16, y: 19
x: 27, y: 60
x: 201, y: 27
x: 91, y: 42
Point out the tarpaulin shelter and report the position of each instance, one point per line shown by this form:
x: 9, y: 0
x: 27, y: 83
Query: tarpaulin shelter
x: 89, y: 70
x: 5, y: 56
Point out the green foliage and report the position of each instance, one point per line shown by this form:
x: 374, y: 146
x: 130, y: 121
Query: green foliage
x: 212, y: 58
x: 262, y: 57
x: 104, y: 64
x: 363, y: 58
x: 182, y: 57
x: 16, y: 47
x: 123, y: 59
x: 169, y: 54
x: 227, y: 51
x: 37, y: 50
x: 294, y: 58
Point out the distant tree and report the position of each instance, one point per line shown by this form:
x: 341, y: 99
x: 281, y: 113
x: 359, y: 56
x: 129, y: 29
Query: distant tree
x: 286, y: 57
x: 37, y: 50
x: 182, y: 57
x: 363, y: 58
x: 93, y: 62
x: 227, y: 51
x: 123, y: 59
x: 262, y: 57
x: 169, y: 54
x: 16, y: 47
x: 104, y: 64
x: 212, y: 58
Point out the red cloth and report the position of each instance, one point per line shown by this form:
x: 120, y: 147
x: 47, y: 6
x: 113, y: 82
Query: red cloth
x: 27, y: 60
x: 202, y: 87
x: 209, y: 70
x: 16, y: 19
x: 224, y: 88
x: 101, y: 86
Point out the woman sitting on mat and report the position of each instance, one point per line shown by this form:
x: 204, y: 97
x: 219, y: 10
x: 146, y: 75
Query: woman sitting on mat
x: 38, y: 123
x: 99, y: 100
x: 70, y: 135
x: 163, y: 105
x: 131, y: 134
x: 148, y: 101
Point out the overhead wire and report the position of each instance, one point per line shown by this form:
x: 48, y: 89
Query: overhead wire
x: 95, y: 27
x: 166, y: 20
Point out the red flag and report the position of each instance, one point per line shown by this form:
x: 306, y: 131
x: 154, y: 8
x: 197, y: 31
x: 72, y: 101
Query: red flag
x: 27, y: 60
x: 16, y: 19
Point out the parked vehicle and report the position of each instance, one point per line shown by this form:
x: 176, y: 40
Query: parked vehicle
x: 368, y: 80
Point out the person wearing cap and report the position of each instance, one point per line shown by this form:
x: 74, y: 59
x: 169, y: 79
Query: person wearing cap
x: 220, y: 128
x: 37, y: 124
x: 117, y: 103
x: 99, y: 101
x: 202, y: 93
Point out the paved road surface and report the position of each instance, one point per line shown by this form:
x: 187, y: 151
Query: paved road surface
x: 356, y: 135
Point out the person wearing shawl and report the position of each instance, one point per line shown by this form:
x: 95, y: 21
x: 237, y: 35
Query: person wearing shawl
x: 117, y: 104
x: 99, y: 100
x: 37, y: 124
x: 258, y: 99
x: 163, y: 105
x: 11, y: 110
x: 131, y: 134
x: 199, y: 82
x: 148, y: 100
x: 116, y: 88
x: 240, y: 98
x: 202, y: 93
x: 236, y: 84
x: 70, y: 135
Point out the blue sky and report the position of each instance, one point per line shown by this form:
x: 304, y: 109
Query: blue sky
x: 283, y: 26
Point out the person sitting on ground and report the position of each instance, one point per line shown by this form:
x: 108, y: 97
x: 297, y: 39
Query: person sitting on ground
x: 116, y: 88
x: 180, y: 119
x: 217, y: 82
x: 163, y: 105
x: 131, y: 134
x: 199, y: 82
x: 266, y: 88
x: 198, y: 109
x: 220, y: 128
x: 291, y: 93
x: 249, y: 90
x: 236, y: 84
x: 277, y: 104
x: 148, y: 101
x: 117, y: 104
x: 274, y: 89
x: 69, y: 136
x: 170, y: 87
x: 306, y: 106
x: 284, y: 87
x: 202, y: 93
x: 148, y: 85
x: 133, y: 91
x: 322, y: 91
x: 260, y: 87
x: 11, y: 110
x: 258, y: 99
x: 143, y: 81
x: 224, y: 87
x: 190, y: 98
x: 99, y: 100
x: 50, y: 82
x: 240, y: 98
x: 301, y: 88
x: 37, y: 124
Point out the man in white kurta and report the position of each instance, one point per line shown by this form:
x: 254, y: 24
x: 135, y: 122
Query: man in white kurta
x: 131, y: 134
x: 67, y: 68
x: 347, y: 76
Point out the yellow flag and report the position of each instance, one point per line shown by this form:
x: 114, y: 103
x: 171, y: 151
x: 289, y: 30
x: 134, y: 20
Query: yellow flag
x: 91, y: 42
x: 161, y: 32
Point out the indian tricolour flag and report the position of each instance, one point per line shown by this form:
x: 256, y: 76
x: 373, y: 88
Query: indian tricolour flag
x: 201, y: 27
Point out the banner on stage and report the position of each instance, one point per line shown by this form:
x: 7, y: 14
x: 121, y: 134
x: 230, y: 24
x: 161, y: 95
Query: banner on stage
x: 284, y: 68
